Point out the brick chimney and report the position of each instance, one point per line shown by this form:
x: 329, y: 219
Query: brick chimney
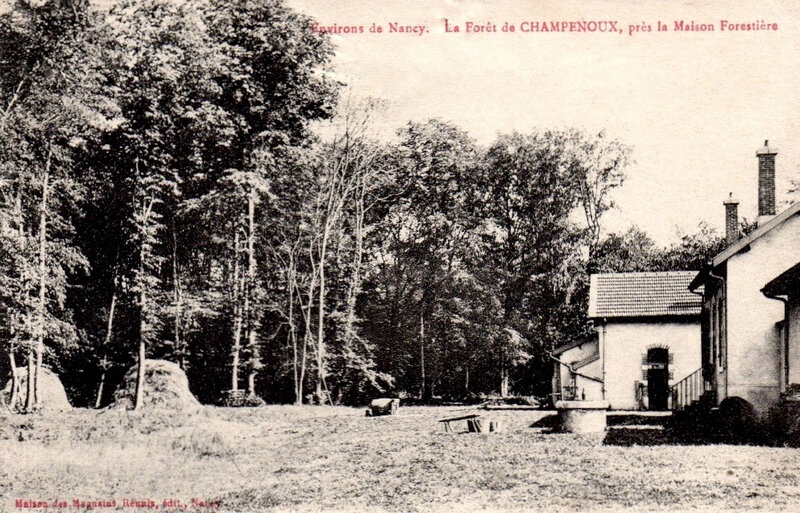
x: 731, y: 219
x: 766, y: 183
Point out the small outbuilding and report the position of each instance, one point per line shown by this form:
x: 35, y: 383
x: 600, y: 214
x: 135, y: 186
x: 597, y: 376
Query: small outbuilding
x: 648, y: 341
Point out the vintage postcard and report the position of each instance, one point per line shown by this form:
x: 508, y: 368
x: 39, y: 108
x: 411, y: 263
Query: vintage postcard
x: 399, y: 255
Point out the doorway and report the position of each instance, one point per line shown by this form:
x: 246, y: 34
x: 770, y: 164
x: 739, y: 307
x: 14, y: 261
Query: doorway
x: 658, y: 378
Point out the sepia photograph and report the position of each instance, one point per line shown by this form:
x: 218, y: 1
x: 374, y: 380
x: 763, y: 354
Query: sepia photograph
x: 399, y: 256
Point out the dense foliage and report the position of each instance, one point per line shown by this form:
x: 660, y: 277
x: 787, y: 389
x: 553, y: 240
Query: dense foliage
x: 163, y: 195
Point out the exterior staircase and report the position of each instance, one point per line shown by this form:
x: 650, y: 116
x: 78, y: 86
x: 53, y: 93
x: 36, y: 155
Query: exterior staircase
x: 693, y: 404
x: 690, y: 420
x: 688, y: 391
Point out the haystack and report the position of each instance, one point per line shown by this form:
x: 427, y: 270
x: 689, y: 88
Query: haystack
x: 53, y: 395
x: 165, y: 388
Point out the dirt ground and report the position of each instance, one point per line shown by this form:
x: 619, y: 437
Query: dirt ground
x: 286, y: 458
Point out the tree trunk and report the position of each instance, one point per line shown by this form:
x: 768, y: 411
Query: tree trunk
x: 355, y: 283
x: 503, y: 380
x: 177, y: 298
x: 29, y: 388
x: 147, y: 206
x: 106, y: 342
x: 291, y: 281
x: 251, y: 379
x: 237, y: 315
x: 293, y: 341
x: 251, y: 280
x: 140, y: 376
x: 12, y: 401
x: 42, y: 306
x: 99, y: 397
x: 307, y: 334
x: 321, y: 319
x: 142, y: 353
x: 21, y: 234
x: 304, y: 364
x: 422, y: 386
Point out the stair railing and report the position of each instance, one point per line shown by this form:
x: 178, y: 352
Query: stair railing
x: 687, y: 390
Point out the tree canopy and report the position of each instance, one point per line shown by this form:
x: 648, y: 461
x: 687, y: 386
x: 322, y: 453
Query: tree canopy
x: 164, y: 194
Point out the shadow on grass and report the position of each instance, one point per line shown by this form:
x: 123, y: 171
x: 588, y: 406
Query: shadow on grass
x: 548, y: 421
x: 627, y: 437
x: 631, y: 430
x: 631, y: 436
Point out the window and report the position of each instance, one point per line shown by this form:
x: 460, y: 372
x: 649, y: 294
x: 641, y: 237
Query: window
x: 713, y: 333
x: 722, y: 337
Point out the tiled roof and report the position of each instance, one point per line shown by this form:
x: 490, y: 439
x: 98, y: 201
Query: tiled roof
x: 652, y: 294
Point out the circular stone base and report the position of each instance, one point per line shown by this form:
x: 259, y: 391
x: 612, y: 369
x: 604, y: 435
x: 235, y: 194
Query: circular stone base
x: 582, y: 416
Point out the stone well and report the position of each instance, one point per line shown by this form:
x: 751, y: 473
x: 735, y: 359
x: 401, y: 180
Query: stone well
x: 582, y: 416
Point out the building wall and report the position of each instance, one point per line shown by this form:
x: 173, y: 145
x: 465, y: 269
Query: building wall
x: 793, y: 322
x: 590, y: 389
x: 625, y: 343
x: 716, y: 308
x: 753, y: 340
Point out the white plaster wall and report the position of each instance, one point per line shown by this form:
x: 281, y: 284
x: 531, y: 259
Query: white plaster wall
x: 592, y: 389
x: 626, y: 342
x: 573, y: 355
x: 753, y: 352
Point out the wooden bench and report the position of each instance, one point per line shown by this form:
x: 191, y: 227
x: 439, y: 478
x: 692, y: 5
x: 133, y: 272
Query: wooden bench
x: 469, y: 418
x: 474, y: 424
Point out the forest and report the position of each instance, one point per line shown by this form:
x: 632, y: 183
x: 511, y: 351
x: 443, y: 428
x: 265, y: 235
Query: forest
x: 189, y: 181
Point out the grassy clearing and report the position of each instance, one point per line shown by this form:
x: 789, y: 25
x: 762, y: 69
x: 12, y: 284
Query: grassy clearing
x: 283, y: 458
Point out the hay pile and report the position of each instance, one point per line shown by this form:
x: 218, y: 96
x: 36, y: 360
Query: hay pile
x: 165, y: 387
x: 54, y: 397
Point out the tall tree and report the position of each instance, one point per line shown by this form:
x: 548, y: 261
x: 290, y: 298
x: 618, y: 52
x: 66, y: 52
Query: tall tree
x: 421, y: 248
x: 630, y: 251
x: 49, y: 113
x: 158, y: 64
x: 274, y: 84
x: 598, y: 164
x: 364, y: 173
x: 527, y: 192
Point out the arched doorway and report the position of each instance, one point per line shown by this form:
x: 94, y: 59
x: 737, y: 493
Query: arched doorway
x: 658, y: 378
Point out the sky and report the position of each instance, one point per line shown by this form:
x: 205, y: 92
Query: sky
x: 695, y: 106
